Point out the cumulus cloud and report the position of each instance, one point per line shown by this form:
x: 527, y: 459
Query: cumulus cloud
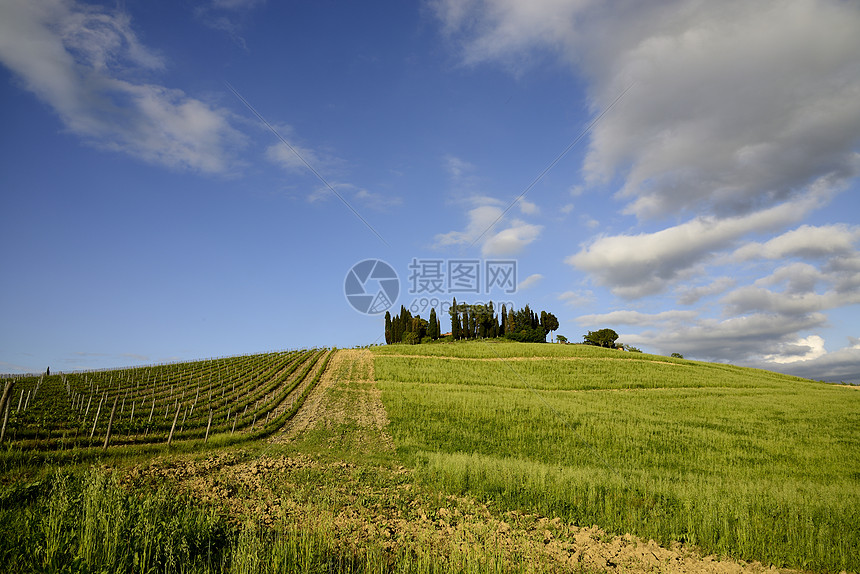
x: 835, y: 366
x: 806, y: 241
x: 806, y: 349
x: 750, y: 298
x: 643, y: 264
x: 737, y: 105
x: 737, y: 339
x: 87, y: 64
x: 690, y: 295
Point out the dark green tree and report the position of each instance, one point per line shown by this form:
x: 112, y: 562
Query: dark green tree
x: 504, y: 318
x: 602, y: 338
x: 388, y: 334
x: 548, y: 321
x: 455, y: 320
x: 433, y: 327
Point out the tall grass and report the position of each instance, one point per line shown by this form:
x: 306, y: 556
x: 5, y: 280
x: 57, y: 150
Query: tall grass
x: 737, y: 461
x: 91, y: 523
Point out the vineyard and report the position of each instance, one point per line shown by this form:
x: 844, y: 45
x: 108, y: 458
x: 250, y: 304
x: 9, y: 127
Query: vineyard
x: 243, y: 397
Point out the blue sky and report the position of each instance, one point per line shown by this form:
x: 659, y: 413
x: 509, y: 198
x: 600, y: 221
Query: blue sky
x: 149, y: 215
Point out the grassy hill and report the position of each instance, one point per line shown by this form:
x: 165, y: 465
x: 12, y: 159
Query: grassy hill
x: 737, y: 461
x: 464, y: 457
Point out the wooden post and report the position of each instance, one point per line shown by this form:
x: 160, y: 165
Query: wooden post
x: 209, y: 424
x: 110, y: 422
x: 5, y: 418
x: 95, y: 420
x: 7, y: 395
x: 173, y: 426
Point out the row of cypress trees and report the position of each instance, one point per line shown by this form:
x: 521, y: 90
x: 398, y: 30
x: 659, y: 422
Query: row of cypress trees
x: 471, y: 322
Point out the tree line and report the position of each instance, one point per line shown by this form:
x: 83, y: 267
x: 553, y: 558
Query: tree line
x: 404, y: 328
x: 471, y: 322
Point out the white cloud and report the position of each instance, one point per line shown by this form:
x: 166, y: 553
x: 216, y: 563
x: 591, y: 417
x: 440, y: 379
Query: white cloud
x: 577, y: 298
x: 86, y: 64
x: 807, y: 349
x: 567, y: 208
x: 527, y: 207
x: 840, y: 365
x: 512, y: 240
x: 480, y: 219
x: 457, y: 168
x: 627, y: 317
x: 738, y: 339
x: 736, y: 105
x: 294, y: 159
x: 746, y: 299
x: 530, y: 281
x: 484, y: 219
x: 806, y: 241
x: 354, y: 194
x: 646, y: 263
x: 691, y: 295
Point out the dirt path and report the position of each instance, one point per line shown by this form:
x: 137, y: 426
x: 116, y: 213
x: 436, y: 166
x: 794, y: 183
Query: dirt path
x: 346, y: 394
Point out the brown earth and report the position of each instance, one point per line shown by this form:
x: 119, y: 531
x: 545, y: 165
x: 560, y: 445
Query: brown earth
x: 342, y: 490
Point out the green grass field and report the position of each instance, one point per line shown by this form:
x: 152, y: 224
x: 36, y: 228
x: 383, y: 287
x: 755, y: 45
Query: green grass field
x: 479, y: 456
x: 739, y: 462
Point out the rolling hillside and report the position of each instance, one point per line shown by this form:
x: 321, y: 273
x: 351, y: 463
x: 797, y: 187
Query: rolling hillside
x: 736, y: 461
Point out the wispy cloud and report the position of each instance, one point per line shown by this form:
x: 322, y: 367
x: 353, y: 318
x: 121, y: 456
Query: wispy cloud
x: 530, y: 281
x: 359, y: 195
x: 87, y: 64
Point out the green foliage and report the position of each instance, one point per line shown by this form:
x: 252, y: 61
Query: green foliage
x: 602, y: 338
x: 677, y: 355
x: 561, y: 338
x: 756, y: 465
x: 536, y: 335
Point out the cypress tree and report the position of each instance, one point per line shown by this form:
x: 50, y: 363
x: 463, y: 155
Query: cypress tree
x: 504, y: 319
x: 388, y: 328
x: 432, y: 329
